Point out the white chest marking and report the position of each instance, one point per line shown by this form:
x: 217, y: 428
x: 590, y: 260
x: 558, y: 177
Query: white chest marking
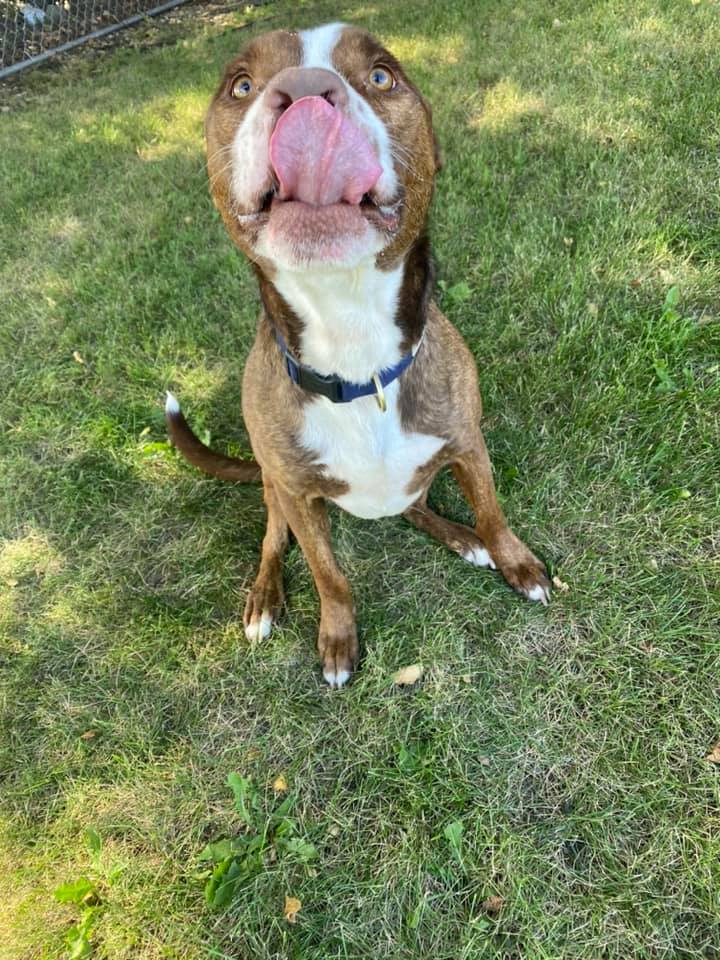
x: 368, y: 450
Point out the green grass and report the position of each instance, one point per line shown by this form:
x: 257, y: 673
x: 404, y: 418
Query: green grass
x: 580, y: 187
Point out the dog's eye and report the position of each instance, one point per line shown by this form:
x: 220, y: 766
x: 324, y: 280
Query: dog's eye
x: 382, y: 78
x: 242, y: 87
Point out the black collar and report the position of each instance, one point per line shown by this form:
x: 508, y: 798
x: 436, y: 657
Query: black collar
x: 335, y: 388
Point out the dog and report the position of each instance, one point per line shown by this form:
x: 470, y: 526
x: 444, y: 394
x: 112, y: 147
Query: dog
x: 321, y: 159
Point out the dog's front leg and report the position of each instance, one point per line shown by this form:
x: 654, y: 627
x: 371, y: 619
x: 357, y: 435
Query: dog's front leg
x: 266, y: 596
x: 337, y: 640
x: 520, y: 567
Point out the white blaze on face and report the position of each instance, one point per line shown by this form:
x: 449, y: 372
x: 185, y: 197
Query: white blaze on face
x: 318, y: 45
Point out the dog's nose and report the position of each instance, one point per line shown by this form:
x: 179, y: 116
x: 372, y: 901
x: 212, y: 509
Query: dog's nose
x: 296, y: 82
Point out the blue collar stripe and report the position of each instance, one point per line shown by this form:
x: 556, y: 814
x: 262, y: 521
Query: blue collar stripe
x: 335, y: 388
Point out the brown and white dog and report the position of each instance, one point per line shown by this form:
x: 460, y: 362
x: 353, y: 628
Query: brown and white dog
x: 321, y: 158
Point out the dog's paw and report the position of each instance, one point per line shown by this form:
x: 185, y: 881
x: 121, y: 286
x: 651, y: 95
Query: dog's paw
x: 339, y: 654
x: 529, y: 578
x: 259, y: 626
x: 478, y: 556
x: 262, y: 608
x: 467, y: 544
x: 523, y: 571
x: 540, y: 592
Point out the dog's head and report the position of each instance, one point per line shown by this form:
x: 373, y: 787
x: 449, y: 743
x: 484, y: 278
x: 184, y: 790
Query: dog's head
x: 320, y: 151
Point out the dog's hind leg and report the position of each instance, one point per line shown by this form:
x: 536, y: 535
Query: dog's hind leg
x: 266, y: 595
x: 455, y: 536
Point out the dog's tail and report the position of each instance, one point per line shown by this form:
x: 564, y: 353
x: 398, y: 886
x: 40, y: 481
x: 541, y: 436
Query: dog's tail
x: 194, y: 450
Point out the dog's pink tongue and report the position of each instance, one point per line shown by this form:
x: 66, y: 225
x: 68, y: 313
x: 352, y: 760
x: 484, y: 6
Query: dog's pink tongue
x: 320, y: 156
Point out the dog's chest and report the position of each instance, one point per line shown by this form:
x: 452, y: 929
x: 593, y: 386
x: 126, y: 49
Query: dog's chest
x: 369, y: 451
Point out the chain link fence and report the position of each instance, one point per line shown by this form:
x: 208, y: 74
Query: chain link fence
x: 33, y: 30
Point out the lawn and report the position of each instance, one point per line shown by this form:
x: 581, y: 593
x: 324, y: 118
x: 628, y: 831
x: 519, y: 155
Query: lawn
x: 543, y: 792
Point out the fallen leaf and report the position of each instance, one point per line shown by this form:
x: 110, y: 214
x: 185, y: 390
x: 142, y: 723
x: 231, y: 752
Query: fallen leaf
x: 560, y: 585
x: 568, y: 241
x: 484, y: 761
x: 408, y: 675
x: 714, y: 755
x: 11, y: 583
x: 637, y: 282
x: 144, y: 432
x: 292, y: 908
x: 592, y: 309
x: 88, y: 735
x: 556, y: 23
x: 77, y: 357
x: 280, y: 784
x: 493, y: 904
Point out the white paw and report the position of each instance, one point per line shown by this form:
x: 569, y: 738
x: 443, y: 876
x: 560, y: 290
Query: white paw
x: 336, y: 680
x: 478, y: 557
x: 542, y: 594
x: 259, y: 627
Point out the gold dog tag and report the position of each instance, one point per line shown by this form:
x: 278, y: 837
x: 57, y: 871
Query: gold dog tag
x: 379, y: 394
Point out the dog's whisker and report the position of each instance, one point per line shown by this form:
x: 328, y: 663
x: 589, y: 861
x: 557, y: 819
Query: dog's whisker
x: 403, y: 163
x: 400, y: 147
x: 219, y: 173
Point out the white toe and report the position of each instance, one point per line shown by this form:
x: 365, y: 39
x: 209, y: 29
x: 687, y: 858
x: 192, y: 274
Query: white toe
x: 538, y: 593
x: 336, y: 680
x: 478, y: 557
x: 259, y: 627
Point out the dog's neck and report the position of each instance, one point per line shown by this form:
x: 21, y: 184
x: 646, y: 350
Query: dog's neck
x: 351, y: 322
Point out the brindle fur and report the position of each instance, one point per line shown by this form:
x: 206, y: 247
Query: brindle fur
x: 438, y: 393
